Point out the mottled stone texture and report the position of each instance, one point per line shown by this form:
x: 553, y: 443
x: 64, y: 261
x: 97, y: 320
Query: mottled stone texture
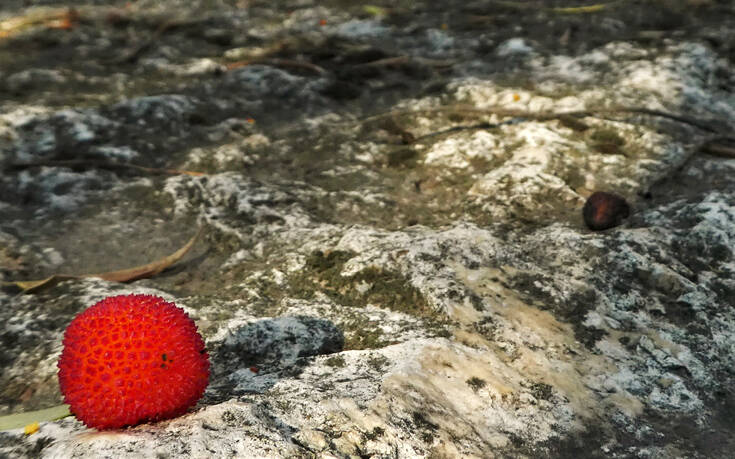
x: 418, y: 284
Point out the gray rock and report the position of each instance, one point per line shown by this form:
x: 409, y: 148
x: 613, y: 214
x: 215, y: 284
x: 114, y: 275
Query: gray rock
x: 419, y: 284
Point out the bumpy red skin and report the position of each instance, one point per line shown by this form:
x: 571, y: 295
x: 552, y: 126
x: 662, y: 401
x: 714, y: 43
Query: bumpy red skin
x: 130, y: 359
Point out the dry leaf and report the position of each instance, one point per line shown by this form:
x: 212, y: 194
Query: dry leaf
x: 151, y: 269
x: 33, y: 285
x: 124, y: 275
x: 584, y: 9
x: 52, y: 18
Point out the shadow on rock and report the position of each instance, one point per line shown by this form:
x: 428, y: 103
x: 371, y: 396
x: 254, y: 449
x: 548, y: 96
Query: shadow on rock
x: 252, y: 358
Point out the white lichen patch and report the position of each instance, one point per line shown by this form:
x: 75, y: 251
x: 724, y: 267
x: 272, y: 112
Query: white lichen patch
x: 195, y: 67
x: 43, y: 133
x: 528, y: 175
x: 457, y: 152
x: 514, y: 47
x: 393, y: 260
x: 228, y: 156
x: 12, y: 119
x: 121, y: 153
x: 360, y: 29
x: 231, y: 191
x: 543, y: 159
x: 165, y: 108
x: 685, y: 76
x: 27, y: 78
x: 59, y: 189
x: 206, y: 432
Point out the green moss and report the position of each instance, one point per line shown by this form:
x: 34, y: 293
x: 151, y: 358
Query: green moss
x: 607, y: 141
x: 284, y: 405
x: 372, y: 285
x: 573, y: 123
x: 363, y: 338
x: 440, y: 330
x: 459, y: 117
x: 322, y: 273
x: 476, y: 383
x: 207, y: 163
x: 511, y: 147
x: 607, y: 135
x: 481, y: 164
x: 336, y: 362
x: 378, y: 362
x: 375, y: 433
x: 402, y: 157
x: 148, y: 197
x: 541, y: 391
x: 390, y: 290
x: 423, y: 422
x: 319, y: 261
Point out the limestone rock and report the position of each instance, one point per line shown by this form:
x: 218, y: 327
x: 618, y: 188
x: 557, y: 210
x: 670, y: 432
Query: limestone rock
x: 393, y: 261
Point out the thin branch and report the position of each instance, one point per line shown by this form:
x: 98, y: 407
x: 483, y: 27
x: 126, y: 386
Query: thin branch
x: 724, y: 147
x: 135, y: 52
x: 93, y: 163
x: 278, y: 63
x: 705, y: 125
x: 404, y: 60
x: 584, y: 9
x: 456, y: 129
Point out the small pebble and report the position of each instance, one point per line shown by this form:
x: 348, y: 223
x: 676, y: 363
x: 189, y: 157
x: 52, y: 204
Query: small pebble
x: 604, y: 210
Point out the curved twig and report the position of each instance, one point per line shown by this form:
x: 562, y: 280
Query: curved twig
x: 705, y: 125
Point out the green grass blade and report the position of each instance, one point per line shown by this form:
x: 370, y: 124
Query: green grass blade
x: 17, y: 420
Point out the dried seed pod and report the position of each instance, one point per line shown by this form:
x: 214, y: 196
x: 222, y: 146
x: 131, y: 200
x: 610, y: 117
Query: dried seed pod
x: 604, y: 210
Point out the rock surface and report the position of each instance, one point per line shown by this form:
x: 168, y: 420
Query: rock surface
x: 393, y: 260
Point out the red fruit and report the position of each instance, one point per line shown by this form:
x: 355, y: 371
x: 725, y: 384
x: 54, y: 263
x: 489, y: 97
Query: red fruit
x: 132, y: 358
